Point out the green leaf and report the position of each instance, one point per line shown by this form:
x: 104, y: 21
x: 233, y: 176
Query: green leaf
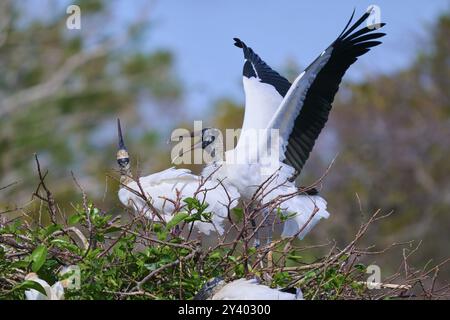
x: 29, y: 284
x: 239, y: 213
x: 74, y: 219
x: 215, y: 256
x: 295, y: 258
x: 176, y: 220
x: 192, y: 203
x: 344, y: 257
x: 239, y: 270
x: 112, y: 229
x: 151, y: 266
x: 281, y: 278
x: 157, y: 227
x: 52, y: 229
x: 360, y: 267
x: 162, y: 235
x: 310, y: 274
x: 62, y: 243
x: 284, y: 216
x: 21, y: 264
x: 38, y: 257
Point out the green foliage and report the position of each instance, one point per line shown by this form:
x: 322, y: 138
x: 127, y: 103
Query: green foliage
x: 28, y: 285
x: 390, y: 131
x: 113, y: 260
x: 105, y: 267
x: 38, y: 258
x: 139, y: 259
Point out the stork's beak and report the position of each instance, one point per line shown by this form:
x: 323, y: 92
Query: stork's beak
x: 195, y: 146
x: 123, y: 159
x: 198, y: 144
x: 209, y: 289
x: 181, y: 137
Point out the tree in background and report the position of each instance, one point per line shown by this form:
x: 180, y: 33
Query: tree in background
x: 392, y: 134
x: 61, y: 91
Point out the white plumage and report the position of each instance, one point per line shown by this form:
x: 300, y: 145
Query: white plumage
x: 261, y: 103
x: 248, y: 176
x: 54, y: 292
x: 170, y: 187
x: 298, y: 113
x: 243, y: 289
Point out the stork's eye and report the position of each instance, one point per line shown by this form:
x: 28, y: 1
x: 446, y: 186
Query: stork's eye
x: 207, y: 142
x: 208, y: 137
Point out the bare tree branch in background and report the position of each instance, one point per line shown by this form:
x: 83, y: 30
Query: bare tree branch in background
x: 56, y: 82
x: 44, y: 90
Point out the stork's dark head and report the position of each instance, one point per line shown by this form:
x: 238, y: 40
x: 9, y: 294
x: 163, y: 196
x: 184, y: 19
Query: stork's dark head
x: 210, y: 288
x: 123, y: 158
x: 208, y: 137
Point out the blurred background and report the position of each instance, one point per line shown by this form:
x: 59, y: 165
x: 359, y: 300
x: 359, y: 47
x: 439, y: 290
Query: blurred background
x: 160, y: 65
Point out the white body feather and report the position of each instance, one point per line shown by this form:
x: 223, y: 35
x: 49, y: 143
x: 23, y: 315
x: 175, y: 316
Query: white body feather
x: 243, y: 289
x: 261, y: 102
x: 249, y: 165
x: 247, y: 177
x: 173, y: 184
x: 54, y: 292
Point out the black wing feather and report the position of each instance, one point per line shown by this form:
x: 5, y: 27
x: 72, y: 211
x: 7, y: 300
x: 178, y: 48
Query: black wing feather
x: 256, y: 67
x: 318, y: 101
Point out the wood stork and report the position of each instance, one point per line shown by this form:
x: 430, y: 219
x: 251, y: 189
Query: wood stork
x: 167, y: 189
x: 299, y: 111
x: 243, y: 289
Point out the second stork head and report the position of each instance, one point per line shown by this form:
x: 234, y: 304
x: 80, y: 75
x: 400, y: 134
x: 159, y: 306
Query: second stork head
x: 208, y: 137
x: 123, y: 158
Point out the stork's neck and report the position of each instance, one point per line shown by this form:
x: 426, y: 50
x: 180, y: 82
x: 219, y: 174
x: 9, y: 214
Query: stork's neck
x: 125, y: 176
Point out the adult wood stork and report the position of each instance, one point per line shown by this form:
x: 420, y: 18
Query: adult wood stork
x: 165, y: 191
x: 298, y: 112
x: 243, y: 289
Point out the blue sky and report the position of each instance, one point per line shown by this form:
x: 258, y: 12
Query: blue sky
x: 200, y: 35
x: 200, y: 32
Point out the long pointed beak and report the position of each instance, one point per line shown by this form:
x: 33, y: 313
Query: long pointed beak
x: 123, y: 158
x: 195, y: 146
x: 191, y: 134
x: 120, y: 136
